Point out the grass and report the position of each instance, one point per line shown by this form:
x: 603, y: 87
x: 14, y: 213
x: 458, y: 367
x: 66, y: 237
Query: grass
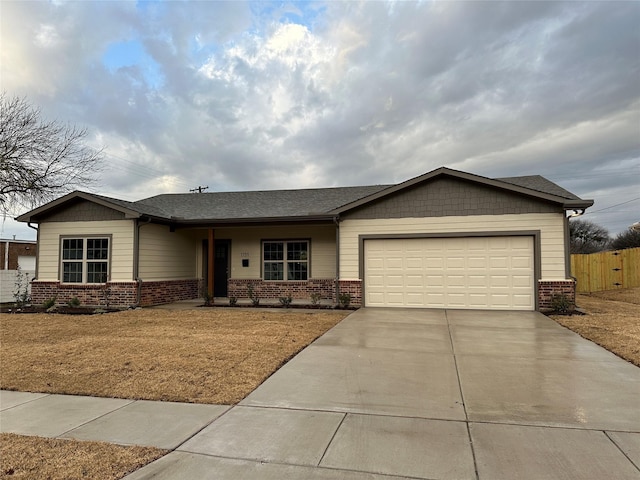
x: 198, y: 356
x: 612, y: 321
x: 47, y: 458
x: 201, y: 355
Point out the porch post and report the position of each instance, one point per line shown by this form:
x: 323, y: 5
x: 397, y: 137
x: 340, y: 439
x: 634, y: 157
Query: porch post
x: 211, y: 260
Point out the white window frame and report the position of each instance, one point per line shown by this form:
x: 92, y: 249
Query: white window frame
x: 285, y: 261
x: 84, y: 261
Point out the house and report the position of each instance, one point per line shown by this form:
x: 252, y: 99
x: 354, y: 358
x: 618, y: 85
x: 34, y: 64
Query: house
x: 444, y: 239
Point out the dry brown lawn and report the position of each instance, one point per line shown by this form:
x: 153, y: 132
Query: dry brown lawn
x: 612, y: 320
x: 31, y: 458
x: 47, y: 458
x: 201, y: 356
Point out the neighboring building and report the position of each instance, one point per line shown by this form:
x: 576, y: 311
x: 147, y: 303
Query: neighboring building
x: 17, y: 252
x: 13, y: 253
x: 445, y: 239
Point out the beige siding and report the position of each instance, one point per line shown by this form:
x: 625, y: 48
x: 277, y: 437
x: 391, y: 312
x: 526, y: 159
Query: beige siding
x: 246, y: 244
x: 550, y: 226
x: 121, y: 232
x: 166, y: 255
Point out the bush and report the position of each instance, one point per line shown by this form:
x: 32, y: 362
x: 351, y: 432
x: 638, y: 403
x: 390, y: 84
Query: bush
x: 255, y: 301
x: 233, y: 301
x: 286, y: 301
x: 315, y: 298
x: 74, y: 302
x: 49, y: 303
x: 344, y: 300
x: 561, y: 303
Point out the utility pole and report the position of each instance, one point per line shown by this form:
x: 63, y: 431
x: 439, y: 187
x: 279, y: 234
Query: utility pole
x: 198, y: 189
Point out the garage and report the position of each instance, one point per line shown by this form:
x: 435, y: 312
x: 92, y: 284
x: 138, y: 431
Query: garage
x: 492, y: 272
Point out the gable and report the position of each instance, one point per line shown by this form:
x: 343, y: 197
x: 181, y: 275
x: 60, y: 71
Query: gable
x: 447, y: 196
x: 80, y: 211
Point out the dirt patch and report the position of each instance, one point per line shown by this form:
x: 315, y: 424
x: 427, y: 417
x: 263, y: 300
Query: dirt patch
x: 612, y: 321
x: 198, y: 356
x: 33, y: 457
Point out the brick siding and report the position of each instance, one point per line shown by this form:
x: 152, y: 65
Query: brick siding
x: 548, y: 288
x: 169, y: 291
x: 117, y: 294
x: 272, y: 290
x: 353, y: 288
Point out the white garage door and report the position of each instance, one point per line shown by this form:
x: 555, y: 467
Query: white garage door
x: 473, y: 272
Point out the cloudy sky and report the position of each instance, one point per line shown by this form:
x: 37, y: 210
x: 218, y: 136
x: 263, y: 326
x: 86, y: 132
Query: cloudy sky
x: 278, y: 95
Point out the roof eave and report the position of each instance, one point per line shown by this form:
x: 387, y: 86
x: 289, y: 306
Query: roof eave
x: 207, y: 222
x: 580, y: 204
x: 461, y: 175
x: 29, y: 216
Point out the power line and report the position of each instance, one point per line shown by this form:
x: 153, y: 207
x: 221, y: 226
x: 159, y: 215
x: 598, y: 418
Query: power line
x: 199, y: 189
x: 616, y: 205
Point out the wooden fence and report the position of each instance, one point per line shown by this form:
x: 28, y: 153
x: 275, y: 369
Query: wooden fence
x: 611, y: 270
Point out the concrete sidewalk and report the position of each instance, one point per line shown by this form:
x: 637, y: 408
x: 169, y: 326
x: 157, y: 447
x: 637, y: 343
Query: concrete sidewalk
x: 390, y: 393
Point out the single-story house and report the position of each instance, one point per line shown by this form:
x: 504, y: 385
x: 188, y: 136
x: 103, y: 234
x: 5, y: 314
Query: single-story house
x: 445, y: 239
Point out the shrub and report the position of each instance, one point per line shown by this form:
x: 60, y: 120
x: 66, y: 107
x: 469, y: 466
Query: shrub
x: 255, y: 301
x: 315, y: 298
x: 286, y: 301
x: 208, y: 298
x: 561, y: 303
x: 344, y: 300
x: 74, y: 302
x: 21, y: 290
x: 233, y: 301
x: 49, y: 303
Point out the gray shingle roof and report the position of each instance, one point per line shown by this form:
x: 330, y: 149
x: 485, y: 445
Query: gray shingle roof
x: 259, y: 204
x: 540, y: 184
x: 299, y: 204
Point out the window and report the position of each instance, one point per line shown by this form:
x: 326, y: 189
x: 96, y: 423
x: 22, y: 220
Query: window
x: 85, y: 260
x: 285, y: 260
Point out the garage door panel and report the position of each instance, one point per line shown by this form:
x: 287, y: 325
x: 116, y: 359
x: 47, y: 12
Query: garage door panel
x: 474, y: 272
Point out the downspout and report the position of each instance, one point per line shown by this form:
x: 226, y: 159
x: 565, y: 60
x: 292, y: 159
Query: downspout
x: 136, y: 260
x: 37, y: 248
x: 567, y: 237
x: 336, y: 221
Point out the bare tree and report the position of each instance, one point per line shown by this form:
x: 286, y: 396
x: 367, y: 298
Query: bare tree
x: 587, y: 237
x: 630, y: 238
x: 39, y: 159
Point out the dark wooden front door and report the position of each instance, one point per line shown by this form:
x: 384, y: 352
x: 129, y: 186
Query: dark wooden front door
x: 221, y: 266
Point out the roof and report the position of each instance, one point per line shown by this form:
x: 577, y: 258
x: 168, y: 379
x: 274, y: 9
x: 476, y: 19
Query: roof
x: 297, y: 205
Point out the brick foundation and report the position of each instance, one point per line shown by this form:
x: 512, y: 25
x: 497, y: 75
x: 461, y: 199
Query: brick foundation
x: 272, y: 290
x: 117, y: 294
x: 169, y: 291
x: 548, y: 288
x: 353, y: 288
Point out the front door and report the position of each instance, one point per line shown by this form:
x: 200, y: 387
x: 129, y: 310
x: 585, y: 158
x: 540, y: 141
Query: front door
x: 221, y: 266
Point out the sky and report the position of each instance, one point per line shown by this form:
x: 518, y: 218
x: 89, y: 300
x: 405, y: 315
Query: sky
x: 284, y: 95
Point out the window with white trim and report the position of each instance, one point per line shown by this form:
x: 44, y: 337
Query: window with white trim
x: 285, y: 260
x: 85, y: 260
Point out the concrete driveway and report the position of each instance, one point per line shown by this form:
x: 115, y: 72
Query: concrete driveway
x: 430, y: 394
x: 391, y: 393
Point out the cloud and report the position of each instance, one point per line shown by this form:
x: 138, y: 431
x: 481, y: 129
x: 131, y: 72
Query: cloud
x: 273, y: 95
